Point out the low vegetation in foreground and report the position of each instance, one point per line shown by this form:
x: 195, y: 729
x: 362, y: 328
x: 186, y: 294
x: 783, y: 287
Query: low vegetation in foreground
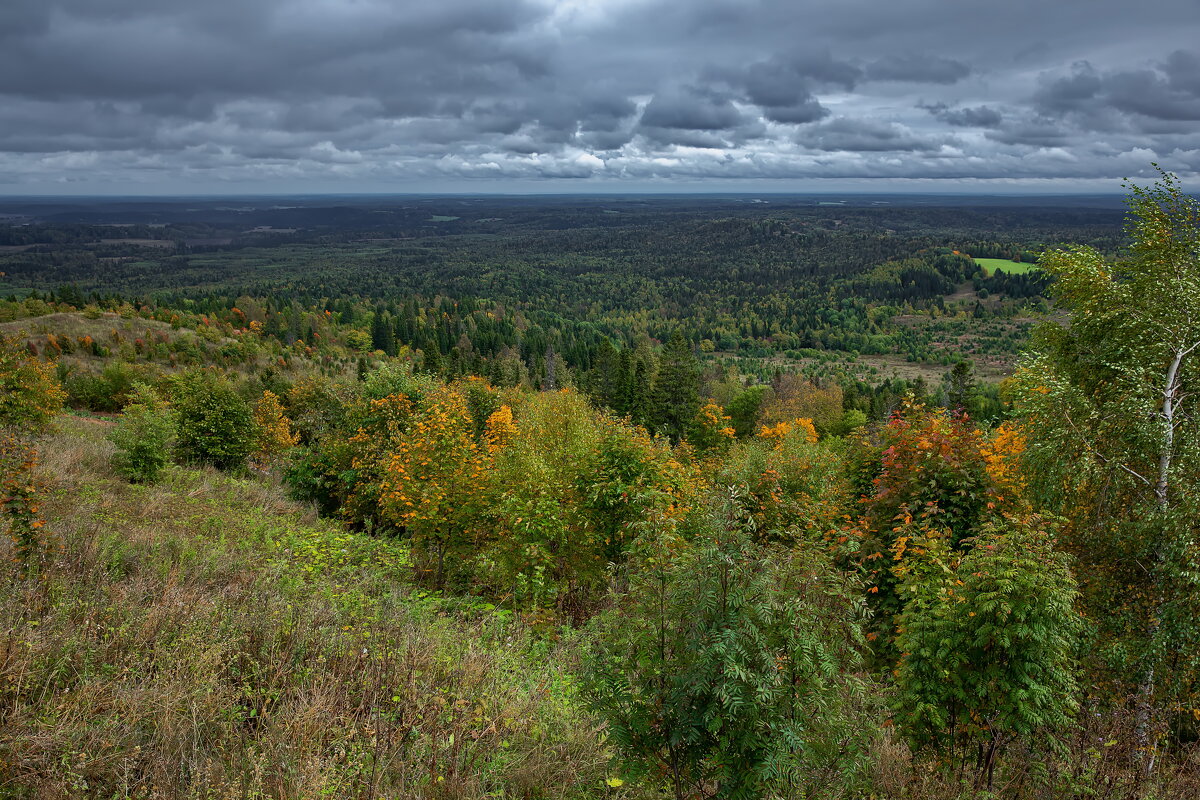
x: 204, y: 637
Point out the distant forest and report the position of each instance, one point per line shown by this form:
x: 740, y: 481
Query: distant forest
x: 789, y: 284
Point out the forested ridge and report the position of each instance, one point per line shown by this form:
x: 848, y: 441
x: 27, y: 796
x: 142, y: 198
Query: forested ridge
x: 619, y: 509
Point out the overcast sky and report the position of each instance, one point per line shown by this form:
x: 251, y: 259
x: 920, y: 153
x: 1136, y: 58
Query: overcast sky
x: 262, y: 96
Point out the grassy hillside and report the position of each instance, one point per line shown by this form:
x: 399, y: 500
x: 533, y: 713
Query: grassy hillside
x: 207, y: 638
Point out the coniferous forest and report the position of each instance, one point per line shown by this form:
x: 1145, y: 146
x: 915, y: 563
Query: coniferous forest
x: 626, y: 497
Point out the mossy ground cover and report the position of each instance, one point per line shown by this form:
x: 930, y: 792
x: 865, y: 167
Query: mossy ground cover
x: 205, y: 637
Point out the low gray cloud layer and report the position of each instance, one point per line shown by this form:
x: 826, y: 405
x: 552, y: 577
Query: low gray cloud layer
x: 248, y: 95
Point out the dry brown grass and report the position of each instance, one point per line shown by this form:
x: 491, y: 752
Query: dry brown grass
x: 76, y: 324
x: 208, y: 638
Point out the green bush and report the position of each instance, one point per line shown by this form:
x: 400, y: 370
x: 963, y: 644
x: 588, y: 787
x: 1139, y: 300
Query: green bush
x: 988, y: 639
x: 731, y: 665
x: 214, y: 424
x: 143, y: 436
x: 108, y: 391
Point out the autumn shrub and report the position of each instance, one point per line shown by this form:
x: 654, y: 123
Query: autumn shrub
x: 347, y: 436
x: 712, y: 430
x: 30, y: 398
x: 273, y: 429
x: 21, y: 498
x: 214, y: 424
x: 728, y: 669
x: 88, y: 390
x: 930, y: 456
x: 315, y: 405
x: 936, y: 465
x: 429, y: 482
x: 143, y: 436
x: 793, y: 396
x: 106, y: 391
x: 791, y: 484
x: 537, y: 533
x: 568, y: 489
x: 30, y: 395
x: 374, y: 430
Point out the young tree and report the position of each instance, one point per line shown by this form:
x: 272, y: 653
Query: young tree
x: 960, y: 387
x: 932, y: 464
x: 430, y: 481
x: 30, y: 397
x: 676, y: 396
x: 214, y: 424
x: 727, y: 669
x: 273, y: 429
x: 987, y: 638
x: 1112, y: 402
x: 143, y: 436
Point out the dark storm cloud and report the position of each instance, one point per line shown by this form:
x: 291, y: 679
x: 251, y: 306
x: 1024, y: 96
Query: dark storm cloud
x: 1164, y: 91
x: 863, y: 135
x: 917, y: 68
x: 784, y: 86
x: 690, y: 109
x: 367, y: 93
x: 1033, y: 133
x: 976, y: 117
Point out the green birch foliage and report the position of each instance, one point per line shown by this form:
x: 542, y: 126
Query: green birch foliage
x: 143, y: 436
x: 729, y: 667
x: 986, y: 637
x: 1112, y: 405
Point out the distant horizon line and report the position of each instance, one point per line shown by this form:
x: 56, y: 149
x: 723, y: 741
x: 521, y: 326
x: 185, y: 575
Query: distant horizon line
x: 594, y: 194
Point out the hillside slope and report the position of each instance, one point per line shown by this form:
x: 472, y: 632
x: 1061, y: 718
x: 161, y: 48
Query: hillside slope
x: 208, y: 638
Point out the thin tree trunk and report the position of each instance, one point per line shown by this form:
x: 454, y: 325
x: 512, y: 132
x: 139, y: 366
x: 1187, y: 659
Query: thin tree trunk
x: 1145, y: 695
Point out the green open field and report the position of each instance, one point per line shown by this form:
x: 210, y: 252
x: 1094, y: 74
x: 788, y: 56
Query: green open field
x: 993, y: 265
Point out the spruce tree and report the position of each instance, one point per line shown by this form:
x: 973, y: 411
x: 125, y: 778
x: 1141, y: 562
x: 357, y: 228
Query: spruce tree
x: 676, y: 396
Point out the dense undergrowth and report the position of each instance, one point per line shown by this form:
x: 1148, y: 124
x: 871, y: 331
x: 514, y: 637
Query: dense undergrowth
x: 206, y: 637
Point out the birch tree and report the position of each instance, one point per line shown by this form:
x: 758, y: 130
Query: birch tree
x: 1110, y: 400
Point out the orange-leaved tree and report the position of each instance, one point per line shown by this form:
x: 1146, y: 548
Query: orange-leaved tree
x: 937, y: 467
x: 273, y: 430
x: 431, y: 481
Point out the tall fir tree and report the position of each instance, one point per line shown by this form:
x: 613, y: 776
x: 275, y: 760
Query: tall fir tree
x: 676, y: 396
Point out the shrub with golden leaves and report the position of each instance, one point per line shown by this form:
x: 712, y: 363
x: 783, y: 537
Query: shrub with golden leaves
x: 274, y: 430
x: 712, y: 430
x: 30, y: 396
x: 430, y: 480
x: 781, y: 430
